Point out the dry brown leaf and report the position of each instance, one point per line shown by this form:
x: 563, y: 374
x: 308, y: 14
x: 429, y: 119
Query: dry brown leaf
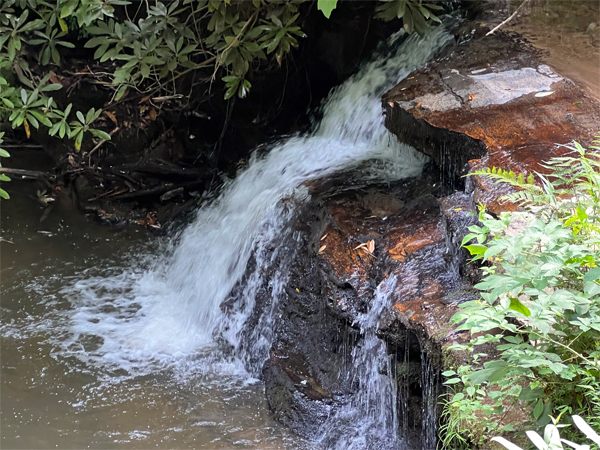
x: 324, y: 236
x: 472, y: 97
x: 367, y: 247
x: 371, y: 246
x: 53, y: 78
x: 391, y: 104
x: 322, y: 249
x: 112, y: 117
x: 152, y: 114
x: 27, y: 130
x: 410, y: 78
x: 418, y: 104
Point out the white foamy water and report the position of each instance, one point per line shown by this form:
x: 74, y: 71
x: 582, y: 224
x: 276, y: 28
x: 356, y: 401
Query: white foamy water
x: 174, y: 309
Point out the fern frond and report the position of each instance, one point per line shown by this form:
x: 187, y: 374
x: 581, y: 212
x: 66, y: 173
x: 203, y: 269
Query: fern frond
x: 520, y: 197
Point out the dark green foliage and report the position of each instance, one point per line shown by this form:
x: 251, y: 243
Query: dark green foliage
x: 540, y: 302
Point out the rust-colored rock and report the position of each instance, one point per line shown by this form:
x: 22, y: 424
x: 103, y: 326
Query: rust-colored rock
x: 490, y: 102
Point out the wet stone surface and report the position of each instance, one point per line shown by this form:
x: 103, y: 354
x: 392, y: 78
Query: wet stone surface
x: 349, y: 243
x: 490, y: 102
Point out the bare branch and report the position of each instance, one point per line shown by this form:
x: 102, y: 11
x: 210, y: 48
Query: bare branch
x: 512, y: 16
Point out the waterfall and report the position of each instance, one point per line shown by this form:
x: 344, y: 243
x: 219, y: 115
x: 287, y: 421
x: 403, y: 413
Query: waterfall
x: 369, y: 420
x: 161, y: 315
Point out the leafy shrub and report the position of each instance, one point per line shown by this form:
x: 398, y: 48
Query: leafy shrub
x: 538, y: 318
x: 147, y: 47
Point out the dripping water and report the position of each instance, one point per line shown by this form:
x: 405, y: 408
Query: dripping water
x: 430, y: 389
x: 370, y: 419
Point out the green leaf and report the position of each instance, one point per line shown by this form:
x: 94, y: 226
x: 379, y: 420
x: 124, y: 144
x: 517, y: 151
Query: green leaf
x: 101, y: 134
x: 69, y: 8
x: 539, y: 409
x: 52, y: 87
x: 8, y: 103
x: 476, y: 249
x: 4, y: 194
x: 591, y: 288
x: 592, y: 274
x: 4, y: 153
x: 487, y: 375
x: 78, y: 140
x: 326, y: 6
x: 519, y: 307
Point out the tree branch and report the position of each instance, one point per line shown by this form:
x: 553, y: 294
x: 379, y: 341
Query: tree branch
x: 512, y: 16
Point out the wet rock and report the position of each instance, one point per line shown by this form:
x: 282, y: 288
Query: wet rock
x: 347, y: 244
x: 490, y: 102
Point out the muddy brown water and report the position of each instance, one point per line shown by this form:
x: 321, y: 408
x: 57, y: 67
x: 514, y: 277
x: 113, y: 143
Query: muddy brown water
x: 50, y: 399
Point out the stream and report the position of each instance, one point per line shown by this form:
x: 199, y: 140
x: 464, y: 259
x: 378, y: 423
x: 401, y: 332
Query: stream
x: 111, y: 339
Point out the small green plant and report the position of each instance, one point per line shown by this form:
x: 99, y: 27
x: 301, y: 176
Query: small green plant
x: 538, y: 318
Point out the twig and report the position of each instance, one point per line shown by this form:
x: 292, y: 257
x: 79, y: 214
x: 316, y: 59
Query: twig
x: 99, y: 145
x: 22, y: 146
x: 512, y: 16
x: 24, y: 173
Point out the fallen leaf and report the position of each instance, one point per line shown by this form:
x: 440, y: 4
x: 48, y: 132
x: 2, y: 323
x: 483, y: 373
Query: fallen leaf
x: 322, y: 249
x: 324, y: 236
x: 27, y: 130
x: 391, y: 104
x: 367, y: 247
x: 418, y: 104
x: 53, y: 78
x: 112, y: 117
x: 371, y: 246
x: 472, y: 97
x: 544, y: 94
x: 410, y: 78
x: 152, y: 114
x: 72, y: 161
x: 297, y: 290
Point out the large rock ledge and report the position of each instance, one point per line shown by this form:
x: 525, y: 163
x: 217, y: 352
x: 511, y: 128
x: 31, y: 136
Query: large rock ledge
x: 474, y: 106
x: 415, y: 231
x: 490, y: 102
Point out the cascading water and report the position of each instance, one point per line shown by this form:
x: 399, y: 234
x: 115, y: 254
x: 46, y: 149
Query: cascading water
x: 369, y: 420
x: 168, y: 315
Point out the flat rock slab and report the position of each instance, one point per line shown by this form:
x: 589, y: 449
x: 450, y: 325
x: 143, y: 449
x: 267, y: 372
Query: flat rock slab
x: 490, y: 102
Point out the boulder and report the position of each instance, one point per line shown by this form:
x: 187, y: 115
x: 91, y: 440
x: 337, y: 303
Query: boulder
x: 490, y: 102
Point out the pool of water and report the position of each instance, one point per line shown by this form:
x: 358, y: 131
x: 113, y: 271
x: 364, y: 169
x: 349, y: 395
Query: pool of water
x: 52, y: 397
